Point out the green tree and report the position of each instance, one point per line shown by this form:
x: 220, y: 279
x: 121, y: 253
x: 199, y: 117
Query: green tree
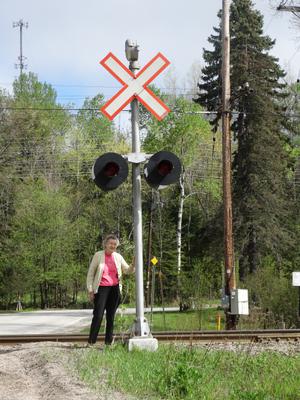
x: 279, y: 308
x: 39, y: 125
x: 188, y: 204
x: 94, y: 212
x: 260, y: 194
x: 8, y: 151
x: 40, y: 245
x: 292, y: 106
x: 261, y: 189
x: 96, y: 128
x: 32, y: 133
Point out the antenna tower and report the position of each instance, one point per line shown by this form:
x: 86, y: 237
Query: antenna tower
x: 21, y: 65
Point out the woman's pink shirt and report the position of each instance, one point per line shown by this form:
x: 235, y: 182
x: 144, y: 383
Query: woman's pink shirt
x: 110, y: 273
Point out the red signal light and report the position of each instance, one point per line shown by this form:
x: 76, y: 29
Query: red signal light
x: 164, y: 167
x: 111, y: 169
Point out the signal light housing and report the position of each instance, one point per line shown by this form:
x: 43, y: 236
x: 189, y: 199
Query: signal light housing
x: 109, y: 171
x: 162, y: 169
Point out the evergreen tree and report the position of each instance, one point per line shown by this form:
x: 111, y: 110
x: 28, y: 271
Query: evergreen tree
x: 210, y: 90
x: 260, y: 160
x: 291, y: 103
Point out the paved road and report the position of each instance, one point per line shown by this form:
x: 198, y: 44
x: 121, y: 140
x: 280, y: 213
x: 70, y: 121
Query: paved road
x: 52, y: 321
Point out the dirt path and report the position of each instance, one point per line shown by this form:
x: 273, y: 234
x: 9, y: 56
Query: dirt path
x: 27, y: 373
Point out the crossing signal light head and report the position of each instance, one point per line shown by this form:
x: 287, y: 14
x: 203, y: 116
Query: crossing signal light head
x: 110, y: 171
x: 162, y: 169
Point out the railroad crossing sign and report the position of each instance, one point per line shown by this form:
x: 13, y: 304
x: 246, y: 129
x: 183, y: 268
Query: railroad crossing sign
x: 135, y: 86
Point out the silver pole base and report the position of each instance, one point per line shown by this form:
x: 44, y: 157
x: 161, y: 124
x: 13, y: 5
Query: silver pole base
x: 140, y: 328
x: 143, y: 343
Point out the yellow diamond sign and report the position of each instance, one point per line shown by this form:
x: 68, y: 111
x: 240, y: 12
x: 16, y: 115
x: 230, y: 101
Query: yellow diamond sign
x: 154, y: 260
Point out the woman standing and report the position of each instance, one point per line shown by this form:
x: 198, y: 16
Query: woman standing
x: 104, y: 286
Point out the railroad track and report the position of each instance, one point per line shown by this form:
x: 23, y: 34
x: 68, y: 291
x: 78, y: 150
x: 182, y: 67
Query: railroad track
x: 180, y: 337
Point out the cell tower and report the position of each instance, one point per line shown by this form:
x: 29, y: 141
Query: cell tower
x: 21, y: 65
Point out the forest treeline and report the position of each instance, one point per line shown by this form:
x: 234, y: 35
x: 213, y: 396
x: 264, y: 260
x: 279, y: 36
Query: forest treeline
x: 53, y: 217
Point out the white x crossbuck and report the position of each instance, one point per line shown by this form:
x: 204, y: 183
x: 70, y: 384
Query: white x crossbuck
x: 135, y: 86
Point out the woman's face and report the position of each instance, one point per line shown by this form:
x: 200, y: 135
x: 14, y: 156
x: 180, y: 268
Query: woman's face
x: 110, y: 246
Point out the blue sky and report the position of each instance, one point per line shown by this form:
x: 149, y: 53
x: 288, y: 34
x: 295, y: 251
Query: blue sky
x: 66, y: 39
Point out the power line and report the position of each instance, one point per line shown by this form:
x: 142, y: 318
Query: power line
x: 293, y: 115
x: 107, y: 87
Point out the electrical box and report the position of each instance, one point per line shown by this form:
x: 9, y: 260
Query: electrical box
x: 239, y: 302
x: 296, y: 278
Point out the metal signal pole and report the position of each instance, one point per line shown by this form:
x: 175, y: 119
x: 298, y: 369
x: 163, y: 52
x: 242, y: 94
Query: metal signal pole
x: 231, y: 320
x: 21, y: 58
x: 141, y: 325
x: 142, y: 337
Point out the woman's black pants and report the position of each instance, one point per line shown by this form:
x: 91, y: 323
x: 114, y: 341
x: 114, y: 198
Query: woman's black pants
x: 106, y: 299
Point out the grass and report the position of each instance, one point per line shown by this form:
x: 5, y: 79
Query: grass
x: 188, y: 320
x: 188, y: 373
x: 177, y: 321
x: 171, y: 321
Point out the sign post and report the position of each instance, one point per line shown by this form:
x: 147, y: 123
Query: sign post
x: 135, y: 88
x: 154, y: 261
x: 296, y: 282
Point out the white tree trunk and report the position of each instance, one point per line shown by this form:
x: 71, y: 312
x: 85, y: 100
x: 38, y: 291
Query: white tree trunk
x: 179, y: 231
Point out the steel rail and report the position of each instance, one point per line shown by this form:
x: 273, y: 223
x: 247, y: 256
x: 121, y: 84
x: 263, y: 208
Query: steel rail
x: 188, y: 336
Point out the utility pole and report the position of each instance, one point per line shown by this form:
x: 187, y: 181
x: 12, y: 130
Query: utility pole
x: 21, y: 58
x: 231, y: 320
